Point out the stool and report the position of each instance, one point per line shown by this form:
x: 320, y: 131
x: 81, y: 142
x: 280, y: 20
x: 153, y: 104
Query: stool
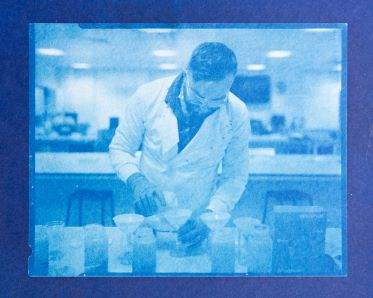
x: 285, y: 195
x: 81, y: 195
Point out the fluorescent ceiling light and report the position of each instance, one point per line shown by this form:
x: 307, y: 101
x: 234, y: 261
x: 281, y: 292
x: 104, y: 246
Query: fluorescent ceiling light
x: 156, y: 30
x: 80, y: 65
x: 50, y: 52
x: 164, y: 53
x: 255, y: 67
x: 319, y: 29
x: 278, y: 54
x: 168, y: 66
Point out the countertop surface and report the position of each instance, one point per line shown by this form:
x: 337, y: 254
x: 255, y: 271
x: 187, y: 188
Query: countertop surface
x: 99, y: 163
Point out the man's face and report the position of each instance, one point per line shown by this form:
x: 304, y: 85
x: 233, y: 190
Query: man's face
x: 207, y: 96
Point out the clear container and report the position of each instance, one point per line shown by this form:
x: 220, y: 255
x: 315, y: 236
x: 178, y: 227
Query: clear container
x: 96, y: 249
x: 223, y: 251
x: 65, y: 250
x: 144, y: 251
x: 244, y: 225
x: 259, y: 250
x: 40, y: 252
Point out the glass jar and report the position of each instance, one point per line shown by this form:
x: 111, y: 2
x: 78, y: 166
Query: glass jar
x: 259, y: 250
x: 244, y: 227
x: 65, y: 250
x: 144, y: 251
x: 40, y: 251
x: 96, y: 249
x: 222, y: 250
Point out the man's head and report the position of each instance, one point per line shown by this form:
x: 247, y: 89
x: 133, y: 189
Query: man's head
x: 210, y: 74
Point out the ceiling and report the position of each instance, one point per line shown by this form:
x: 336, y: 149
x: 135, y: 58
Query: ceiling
x: 132, y: 49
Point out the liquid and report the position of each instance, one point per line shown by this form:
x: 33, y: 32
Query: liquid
x: 96, y: 250
x: 66, y: 252
x: 144, y: 252
x: 40, y: 251
x: 144, y: 258
x: 222, y: 258
x: 223, y: 251
x: 259, y: 255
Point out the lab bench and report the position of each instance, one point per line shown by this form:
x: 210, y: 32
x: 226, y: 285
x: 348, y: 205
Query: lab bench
x: 57, y: 175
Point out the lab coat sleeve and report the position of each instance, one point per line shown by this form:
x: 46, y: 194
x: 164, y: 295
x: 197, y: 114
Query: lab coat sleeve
x: 128, y: 137
x: 235, y: 168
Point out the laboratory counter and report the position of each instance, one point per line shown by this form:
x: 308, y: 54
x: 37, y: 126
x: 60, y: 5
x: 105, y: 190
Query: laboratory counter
x: 59, y: 175
x: 99, y: 163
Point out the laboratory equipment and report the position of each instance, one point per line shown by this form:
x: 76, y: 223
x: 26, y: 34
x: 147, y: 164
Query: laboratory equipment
x: 96, y: 249
x: 259, y: 250
x: 299, y: 240
x: 144, y: 251
x: 222, y: 252
x: 244, y: 226
x: 128, y: 224
x: 65, y: 250
x: 176, y: 218
x: 40, y: 252
x: 215, y: 220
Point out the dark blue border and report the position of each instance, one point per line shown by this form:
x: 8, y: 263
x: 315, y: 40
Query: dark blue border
x: 15, y: 17
x: 31, y: 53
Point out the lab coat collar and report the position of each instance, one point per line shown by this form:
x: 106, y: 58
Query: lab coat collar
x: 170, y: 133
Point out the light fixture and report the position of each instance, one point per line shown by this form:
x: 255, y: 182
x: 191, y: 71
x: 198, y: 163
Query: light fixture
x: 156, y: 30
x: 278, y: 54
x: 164, y: 53
x: 50, y: 52
x: 80, y: 65
x: 319, y: 29
x: 255, y: 67
x: 168, y: 66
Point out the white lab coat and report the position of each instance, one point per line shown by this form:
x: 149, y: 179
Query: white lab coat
x: 191, y: 175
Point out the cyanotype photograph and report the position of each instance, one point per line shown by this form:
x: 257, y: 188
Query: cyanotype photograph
x: 187, y: 150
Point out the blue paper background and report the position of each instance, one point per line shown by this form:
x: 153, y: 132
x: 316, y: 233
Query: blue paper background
x: 14, y: 144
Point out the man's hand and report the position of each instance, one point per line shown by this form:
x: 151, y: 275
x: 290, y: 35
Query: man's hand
x: 148, y: 200
x: 193, y: 232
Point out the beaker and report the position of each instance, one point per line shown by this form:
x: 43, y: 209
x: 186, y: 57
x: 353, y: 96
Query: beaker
x: 65, y: 250
x: 223, y: 251
x: 144, y: 251
x: 244, y: 226
x: 259, y: 250
x: 96, y: 249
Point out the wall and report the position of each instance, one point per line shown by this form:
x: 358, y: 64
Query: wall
x: 312, y: 95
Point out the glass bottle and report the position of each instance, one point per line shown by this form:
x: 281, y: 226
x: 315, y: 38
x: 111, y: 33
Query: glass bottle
x: 65, y: 250
x: 40, y: 251
x: 96, y: 250
x: 223, y: 252
x: 144, y: 251
x: 259, y: 250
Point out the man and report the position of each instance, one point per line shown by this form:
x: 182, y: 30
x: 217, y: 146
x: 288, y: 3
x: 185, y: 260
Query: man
x: 186, y: 126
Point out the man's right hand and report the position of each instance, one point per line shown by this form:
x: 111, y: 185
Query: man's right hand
x: 148, y: 200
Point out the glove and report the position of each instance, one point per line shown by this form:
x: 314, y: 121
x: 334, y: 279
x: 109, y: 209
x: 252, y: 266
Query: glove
x: 148, y: 200
x: 193, y: 233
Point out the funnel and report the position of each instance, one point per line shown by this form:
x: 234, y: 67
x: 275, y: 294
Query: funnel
x: 128, y: 223
x: 177, y: 217
x: 215, y: 220
x: 245, y: 224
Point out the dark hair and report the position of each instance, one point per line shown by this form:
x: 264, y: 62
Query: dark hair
x: 212, y: 61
